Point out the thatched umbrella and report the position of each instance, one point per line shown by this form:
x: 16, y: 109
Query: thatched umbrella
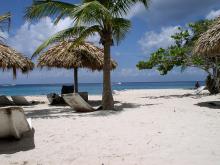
x: 65, y: 55
x: 208, y: 46
x: 209, y: 42
x: 10, y: 59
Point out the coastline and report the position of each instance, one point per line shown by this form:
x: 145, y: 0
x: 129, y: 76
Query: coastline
x: 91, y: 88
x: 152, y: 126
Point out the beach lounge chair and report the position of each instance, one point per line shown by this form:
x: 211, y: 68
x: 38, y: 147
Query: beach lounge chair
x: 55, y: 99
x: 13, y: 122
x: 199, y: 90
x: 67, y: 89
x: 20, y: 100
x: 4, y: 101
x: 78, y: 104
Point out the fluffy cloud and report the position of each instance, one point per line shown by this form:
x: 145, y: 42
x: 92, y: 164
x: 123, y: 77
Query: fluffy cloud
x: 153, y: 40
x: 213, y: 14
x: 29, y: 36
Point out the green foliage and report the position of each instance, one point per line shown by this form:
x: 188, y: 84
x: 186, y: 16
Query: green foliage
x: 180, y: 53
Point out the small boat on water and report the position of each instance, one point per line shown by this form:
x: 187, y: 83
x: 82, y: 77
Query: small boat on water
x: 119, y: 83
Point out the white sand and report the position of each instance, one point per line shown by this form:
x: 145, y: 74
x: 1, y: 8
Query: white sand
x: 155, y: 127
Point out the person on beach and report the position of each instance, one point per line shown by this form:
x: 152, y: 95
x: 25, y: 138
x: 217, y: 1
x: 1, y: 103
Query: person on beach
x: 197, y: 85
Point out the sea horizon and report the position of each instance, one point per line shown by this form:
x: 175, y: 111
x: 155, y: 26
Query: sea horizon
x: 91, y: 88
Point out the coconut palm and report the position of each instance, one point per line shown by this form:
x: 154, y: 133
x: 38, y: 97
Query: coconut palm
x: 105, y: 17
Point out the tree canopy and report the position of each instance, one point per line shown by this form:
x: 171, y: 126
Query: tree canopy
x: 180, y: 54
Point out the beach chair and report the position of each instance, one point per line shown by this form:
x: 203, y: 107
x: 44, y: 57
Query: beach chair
x: 55, y: 99
x: 67, y: 89
x: 199, y: 90
x: 20, y: 100
x: 78, y: 104
x: 4, y: 101
x: 13, y: 122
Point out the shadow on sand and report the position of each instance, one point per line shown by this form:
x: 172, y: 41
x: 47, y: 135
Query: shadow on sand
x: 65, y: 111
x: 210, y: 104
x: 194, y: 96
x: 11, y: 145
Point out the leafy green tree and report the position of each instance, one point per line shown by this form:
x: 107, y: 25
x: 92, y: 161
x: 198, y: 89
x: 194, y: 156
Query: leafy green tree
x: 105, y: 17
x: 180, y: 54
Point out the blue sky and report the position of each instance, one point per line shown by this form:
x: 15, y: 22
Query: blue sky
x: 150, y: 30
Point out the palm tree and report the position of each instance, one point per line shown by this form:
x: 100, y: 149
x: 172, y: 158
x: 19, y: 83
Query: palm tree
x: 105, y: 17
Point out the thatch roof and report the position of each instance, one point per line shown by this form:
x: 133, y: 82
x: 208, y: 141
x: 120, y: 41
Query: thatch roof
x: 209, y: 42
x: 64, y: 55
x: 10, y: 59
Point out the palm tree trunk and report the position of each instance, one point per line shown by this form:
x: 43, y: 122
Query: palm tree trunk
x: 76, y: 80
x: 107, y: 98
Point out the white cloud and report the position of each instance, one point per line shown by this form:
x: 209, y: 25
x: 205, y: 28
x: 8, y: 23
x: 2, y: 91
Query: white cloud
x: 29, y: 36
x: 213, y: 14
x: 153, y: 40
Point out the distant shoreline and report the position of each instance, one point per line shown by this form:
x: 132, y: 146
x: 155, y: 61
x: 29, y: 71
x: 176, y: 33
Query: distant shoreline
x: 68, y: 83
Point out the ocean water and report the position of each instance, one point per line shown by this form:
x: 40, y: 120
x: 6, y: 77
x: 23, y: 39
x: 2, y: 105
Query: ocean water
x: 91, y: 88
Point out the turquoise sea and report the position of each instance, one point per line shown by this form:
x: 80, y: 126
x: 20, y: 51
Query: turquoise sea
x: 92, y: 88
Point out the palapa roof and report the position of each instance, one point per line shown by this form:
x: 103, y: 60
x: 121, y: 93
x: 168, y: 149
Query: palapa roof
x: 10, y: 59
x: 65, y: 55
x: 209, y: 42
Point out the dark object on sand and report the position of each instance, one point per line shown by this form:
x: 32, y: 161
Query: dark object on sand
x: 67, y: 89
x: 197, y: 85
x: 55, y: 99
x: 20, y: 100
x: 4, y: 101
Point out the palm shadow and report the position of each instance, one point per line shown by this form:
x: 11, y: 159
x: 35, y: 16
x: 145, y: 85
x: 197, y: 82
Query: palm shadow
x: 11, y: 145
x: 194, y: 96
x: 68, y: 112
x: 210, y: 104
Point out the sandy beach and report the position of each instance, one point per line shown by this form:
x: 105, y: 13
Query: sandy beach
x: 154, y: 127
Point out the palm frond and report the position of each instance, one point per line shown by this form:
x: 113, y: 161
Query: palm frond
x: 78, y: 34
x: 84, y: 33
x: 122, y: 7
x: 90, y: 13
x: 60, y: 36
x: 5, y: 20
x: 43, y: 8
x: 120, y: 28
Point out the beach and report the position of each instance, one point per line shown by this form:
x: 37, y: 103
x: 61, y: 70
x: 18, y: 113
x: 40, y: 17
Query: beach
x: 151, y: 126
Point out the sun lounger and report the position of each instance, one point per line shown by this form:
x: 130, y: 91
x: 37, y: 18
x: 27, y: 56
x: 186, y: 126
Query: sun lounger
x: 4, y: 101
x: 67, y: 89
x: 13, y: 122
x: 20, y: 100
x: 199, y: 90
x: 76, y: 102
x: 55, y: 99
